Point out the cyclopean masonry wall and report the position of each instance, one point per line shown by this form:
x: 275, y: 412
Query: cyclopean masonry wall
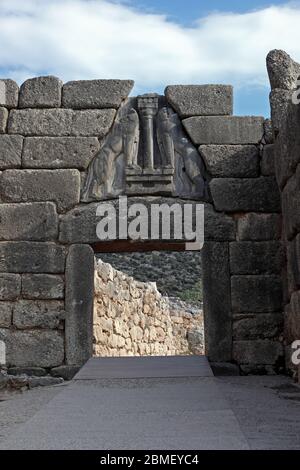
x: 132, y: 318
x: 283, y: 73
x: 51, y: 134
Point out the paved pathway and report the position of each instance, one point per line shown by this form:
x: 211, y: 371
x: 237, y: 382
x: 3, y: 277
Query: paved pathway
x: 135, y: 403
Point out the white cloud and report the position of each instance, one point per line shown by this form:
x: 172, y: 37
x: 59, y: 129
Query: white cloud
x: 82, y: 39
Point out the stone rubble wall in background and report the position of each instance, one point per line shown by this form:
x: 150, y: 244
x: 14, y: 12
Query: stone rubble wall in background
x: 132, y: 318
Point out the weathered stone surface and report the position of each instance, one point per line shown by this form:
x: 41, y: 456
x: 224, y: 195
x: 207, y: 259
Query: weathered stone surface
x: 35, y: 348
x: 47, y: 381
x: 224, y: 129
x: 217, y: 307
x: 291, y: 205
x: 66, y: 372
x: 6, y: 309
x: 200, y: 100
x: 256, y: 294
x: 60, y: 122
x: 10, y: 151
x: 79, y: 224
x: 279, y: 101
x: 28, y: 221
x: 287, y: 144
x: 79, y: 304
x: 292, y: 319
x: 254, y: 226
x: 237, y: 161
x: 293, y: 264
x: 38, y: 314
x: 256, y: 257
x: 257, y: 352
x: 268, y: 325
x: 10, y: 286
x: 41, y: 92
x: 245, y: 195
x: 283, y: 71
x: 89, y: 94
x: 268, y: 161
x: 9, y: 93
x: 42, y: 286
x: 92, y: 122
x: 217, y: 226
x: 32, y: 257
x: 59, y: 186
x: 29, y: 371
x: 268, y: 132
x: 59, y: 152
x: 3, y: 120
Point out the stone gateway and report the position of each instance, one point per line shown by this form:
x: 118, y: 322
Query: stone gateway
x: 64, y: 148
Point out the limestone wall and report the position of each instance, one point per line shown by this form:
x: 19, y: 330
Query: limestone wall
x: 132, y: 318
x: 49, y: 134
x: 283, y: 73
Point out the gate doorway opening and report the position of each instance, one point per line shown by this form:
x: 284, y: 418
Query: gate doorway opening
x: 148, y: 300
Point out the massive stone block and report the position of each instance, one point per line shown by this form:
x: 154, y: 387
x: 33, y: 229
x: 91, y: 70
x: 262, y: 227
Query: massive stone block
x: 268, y: 161
x: 257, y: 352
x: 9, y: 93
x: 3, y: 120
x: 10, y: 286
x: 291, y: 205
x: 237, y: 161
x: 41, y: 92
x: 256, y: 257
x: 200, y: 100
x: 6, y: 309
x: 79, y: 304
x: 268, y: 325
x: 89, y: 94
x: 10, y: 151
x: 224, y: 129
x: 35, y: 348
x: 245, y: 195
x: 42, y: 286
x: 218, y: 226
x: 32, y: 257
x: 283, y: 71
x: 279, y: 101
x: 287, y: 144
x: 261, y: 227
x: 29, y: 221
x: 217, y: 308
x: 60, y: 186
x: 79, y: 225
x: 38, y: 314
x: 59, y: 152
x: 256, y: 294
x: 60, y: 122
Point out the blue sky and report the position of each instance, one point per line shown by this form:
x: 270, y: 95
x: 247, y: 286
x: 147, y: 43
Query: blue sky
x: 185, y: 11
x: 155, y: 42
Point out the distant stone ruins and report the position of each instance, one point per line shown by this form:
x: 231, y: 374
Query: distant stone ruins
x: 65, y: 148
